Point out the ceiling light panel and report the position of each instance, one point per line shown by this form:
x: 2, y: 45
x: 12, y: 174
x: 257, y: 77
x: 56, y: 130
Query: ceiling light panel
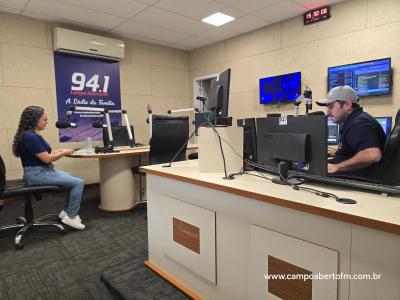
x: 218, y: 19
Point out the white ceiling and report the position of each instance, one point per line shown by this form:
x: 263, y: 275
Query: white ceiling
x: 174, y: 23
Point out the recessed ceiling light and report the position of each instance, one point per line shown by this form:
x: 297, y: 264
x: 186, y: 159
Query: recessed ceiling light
x: 218, y: 19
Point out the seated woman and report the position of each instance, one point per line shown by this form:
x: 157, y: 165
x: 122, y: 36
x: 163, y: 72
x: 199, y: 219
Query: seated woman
x: 37, y: 157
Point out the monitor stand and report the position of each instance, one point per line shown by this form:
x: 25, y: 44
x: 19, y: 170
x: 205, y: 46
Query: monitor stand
x: 283, y: 169
x: 223, y: 121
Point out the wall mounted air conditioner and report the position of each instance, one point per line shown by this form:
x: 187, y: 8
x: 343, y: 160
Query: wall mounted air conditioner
x: 75, y: 42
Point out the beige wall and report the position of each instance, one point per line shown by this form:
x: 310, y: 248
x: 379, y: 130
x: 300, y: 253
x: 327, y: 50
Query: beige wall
x: 358, y: 30
x: 163, y: 77
x: 150, y: 74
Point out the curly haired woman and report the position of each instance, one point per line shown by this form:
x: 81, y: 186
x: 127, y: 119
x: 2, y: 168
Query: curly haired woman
x: 37, y: 157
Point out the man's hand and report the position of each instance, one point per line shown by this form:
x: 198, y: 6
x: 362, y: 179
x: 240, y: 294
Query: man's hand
x: 331, y: 152
x: 332, y: 168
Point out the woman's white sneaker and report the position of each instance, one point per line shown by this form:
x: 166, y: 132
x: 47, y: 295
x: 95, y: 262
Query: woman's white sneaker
x: 62, y: 214
x: 73, y: 222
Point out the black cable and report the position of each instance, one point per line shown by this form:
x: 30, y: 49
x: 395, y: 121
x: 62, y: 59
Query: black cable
x: 220, y: 143
x: 306, y: 189
x: 179, y: 151
x: 181, y: 148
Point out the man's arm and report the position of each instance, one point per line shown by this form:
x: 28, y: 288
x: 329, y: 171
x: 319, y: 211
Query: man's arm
x: 362, y: 159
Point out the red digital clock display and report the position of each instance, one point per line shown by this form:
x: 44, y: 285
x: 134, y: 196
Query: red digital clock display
x: 316, y: 15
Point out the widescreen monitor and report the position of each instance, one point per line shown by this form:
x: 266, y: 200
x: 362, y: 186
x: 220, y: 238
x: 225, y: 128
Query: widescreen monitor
x: 308, y: 133
x: 282, y: 88
x: 366, y: 78
x: 120, y: 136
x: 386, y: 123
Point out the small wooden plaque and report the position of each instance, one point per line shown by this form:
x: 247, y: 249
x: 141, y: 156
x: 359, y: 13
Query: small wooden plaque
x: 296, y: 289
x: 186, y: 234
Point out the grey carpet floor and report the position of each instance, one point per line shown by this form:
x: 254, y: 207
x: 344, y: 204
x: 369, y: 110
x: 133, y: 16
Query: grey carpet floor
x: 57, y: 266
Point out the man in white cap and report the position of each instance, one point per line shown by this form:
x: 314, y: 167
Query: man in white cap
x: 361, y: 140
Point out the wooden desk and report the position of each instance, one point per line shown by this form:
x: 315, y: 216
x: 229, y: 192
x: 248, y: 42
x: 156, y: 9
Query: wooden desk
x: 118, y: 187
x: 246, y: 228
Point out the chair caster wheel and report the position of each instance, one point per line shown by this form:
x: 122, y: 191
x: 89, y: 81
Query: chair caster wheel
x: 19, y: 246
x: 20, y: 220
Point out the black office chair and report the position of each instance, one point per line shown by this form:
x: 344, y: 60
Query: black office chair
x: 169, y: 134
x: 17, y: 188
x: 387, y: 169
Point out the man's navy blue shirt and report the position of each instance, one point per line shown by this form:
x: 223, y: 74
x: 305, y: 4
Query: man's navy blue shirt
x: 360, y: 131
x: 30, y: 145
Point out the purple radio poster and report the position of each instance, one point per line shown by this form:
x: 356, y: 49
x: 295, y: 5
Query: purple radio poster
x: 87, y: 82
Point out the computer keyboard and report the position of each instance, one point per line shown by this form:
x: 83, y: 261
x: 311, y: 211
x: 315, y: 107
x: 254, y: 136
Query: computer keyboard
x: 377, y: 187
x: 358, y: 184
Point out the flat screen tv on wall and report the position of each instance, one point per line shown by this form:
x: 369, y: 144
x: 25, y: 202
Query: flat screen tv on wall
x: 369, y: 78
x: 281, y: 88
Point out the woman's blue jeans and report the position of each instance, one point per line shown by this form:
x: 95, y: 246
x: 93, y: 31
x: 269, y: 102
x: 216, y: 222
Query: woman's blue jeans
x: 46, y: 175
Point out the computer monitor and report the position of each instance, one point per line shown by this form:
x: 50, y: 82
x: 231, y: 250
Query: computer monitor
x: 249, y: 138
x: 333, y: 132
x: 300, y: 139
x: 386, y: 123
x: 120, y: 136
x: 366, y: 78
x: 218, y: 96
x: 282, y: 88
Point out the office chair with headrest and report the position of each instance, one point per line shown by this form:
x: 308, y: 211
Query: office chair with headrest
x: 11, y: 189
x: 387, y: 169
x: 169, y: 133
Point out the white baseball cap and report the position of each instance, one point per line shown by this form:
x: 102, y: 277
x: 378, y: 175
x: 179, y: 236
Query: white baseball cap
x: 339, y: 93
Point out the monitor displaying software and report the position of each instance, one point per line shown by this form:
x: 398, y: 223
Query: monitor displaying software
x: 366, y: 78
x: 282, y: 88
x: 333, y: 132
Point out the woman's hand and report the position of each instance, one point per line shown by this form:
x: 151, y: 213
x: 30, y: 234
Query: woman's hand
x: 57, y: 151
x: 48, y: 158
x: 67, y: 151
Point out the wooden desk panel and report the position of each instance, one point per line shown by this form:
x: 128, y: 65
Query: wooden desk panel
x: 372, y: 210
x: 119, y: 189
x: 247, y: 202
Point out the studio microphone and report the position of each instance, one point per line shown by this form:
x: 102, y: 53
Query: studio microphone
x: 98, y: 124
x: 65, y: 124
x: 297, y: 103
x: 308, y: 99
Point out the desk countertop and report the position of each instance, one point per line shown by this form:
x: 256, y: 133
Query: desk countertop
x: 372, y: 210
x: 81, y: 153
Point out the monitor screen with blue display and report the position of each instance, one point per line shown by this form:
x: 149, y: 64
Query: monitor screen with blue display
x: 282, y: 88
x: 333, y: 132
x: 366, y: 78
x: 386, y: 123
